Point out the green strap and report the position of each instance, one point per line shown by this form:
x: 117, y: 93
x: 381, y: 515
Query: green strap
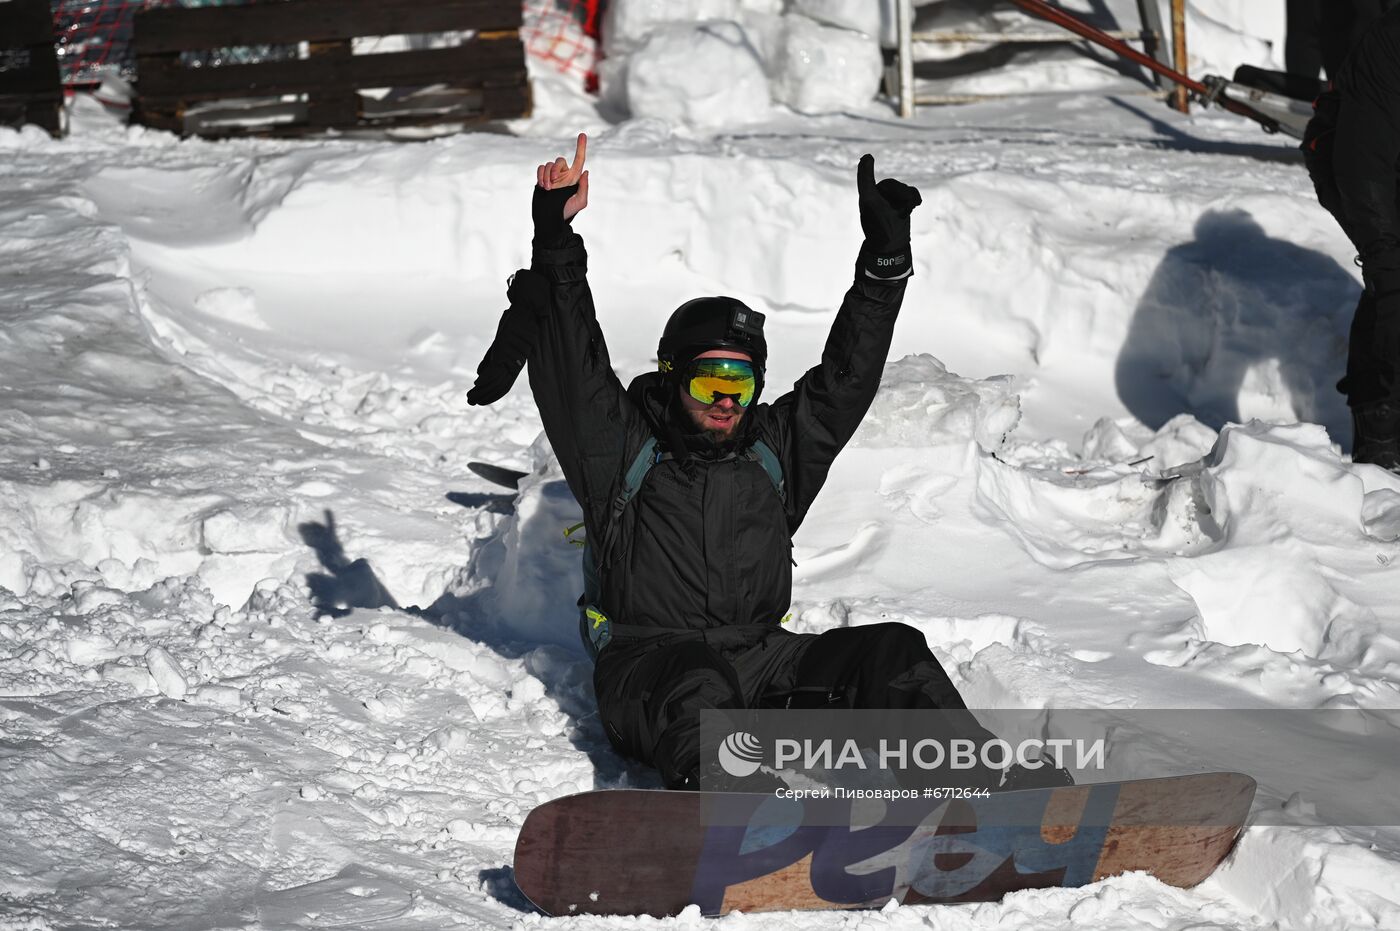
x: 646, y: 458
x: 641, y: 465
x: 769, y: 460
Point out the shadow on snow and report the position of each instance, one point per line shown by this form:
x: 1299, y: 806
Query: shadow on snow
x: 345, y: 585
x: 1235, y: 308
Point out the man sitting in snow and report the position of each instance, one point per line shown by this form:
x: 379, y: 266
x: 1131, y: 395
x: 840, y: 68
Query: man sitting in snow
x: 695, y: 571
x: 1352, y: 146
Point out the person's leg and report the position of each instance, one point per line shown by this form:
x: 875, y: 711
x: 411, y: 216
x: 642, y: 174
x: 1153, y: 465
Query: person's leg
x: 890, y: 666
x: 1372, y: 380
x: 874, y: 666
x: 650, y: 699
x: 1362, y: 384
x: 1373, y: 351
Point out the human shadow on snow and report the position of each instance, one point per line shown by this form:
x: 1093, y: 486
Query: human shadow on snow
x: 1235, y: 308
x: 345, y: 585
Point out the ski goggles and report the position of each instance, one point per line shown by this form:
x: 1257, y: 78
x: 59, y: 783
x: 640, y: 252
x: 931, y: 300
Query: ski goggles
x: 706, y: 380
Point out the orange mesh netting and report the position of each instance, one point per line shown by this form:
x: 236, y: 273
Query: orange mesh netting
x: 564, y: 33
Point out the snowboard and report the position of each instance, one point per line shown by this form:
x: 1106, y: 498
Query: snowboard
x: 654, y: 852
x: 498, y: 475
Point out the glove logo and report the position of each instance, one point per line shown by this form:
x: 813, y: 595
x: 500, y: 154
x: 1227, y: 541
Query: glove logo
x: 740, y: 754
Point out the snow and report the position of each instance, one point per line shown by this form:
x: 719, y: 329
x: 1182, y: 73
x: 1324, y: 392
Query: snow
x: 856, y: 15
x: 271, y: 656
x: 822, y: 56
x: 825, y: 69
x: 671, y: 76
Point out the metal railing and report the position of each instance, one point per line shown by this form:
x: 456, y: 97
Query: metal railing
x: 1151, y: 35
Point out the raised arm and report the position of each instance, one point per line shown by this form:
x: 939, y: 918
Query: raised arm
x: 814, y: 420
x: 518, y: 330
x: 591, y: 424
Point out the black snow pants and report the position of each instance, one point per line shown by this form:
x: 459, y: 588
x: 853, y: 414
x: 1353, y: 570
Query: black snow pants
x: 1373, y: 345
x: 652, y: 686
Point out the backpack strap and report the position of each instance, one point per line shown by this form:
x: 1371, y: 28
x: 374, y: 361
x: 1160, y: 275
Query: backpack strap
x: 594, y: 625
x: 646, y: 457
x: 763, y: 454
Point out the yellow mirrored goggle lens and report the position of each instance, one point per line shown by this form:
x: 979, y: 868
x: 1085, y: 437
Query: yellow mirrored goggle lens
x: 710, y: 378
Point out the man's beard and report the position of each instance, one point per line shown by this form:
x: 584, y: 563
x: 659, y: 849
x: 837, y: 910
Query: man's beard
x: 715, y: 434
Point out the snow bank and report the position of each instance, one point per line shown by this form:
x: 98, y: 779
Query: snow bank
x: 922, y: 404
x: 825, y: 69
x: 220, y: 740
x: 1036, y: 272
x: 531, y: 572
x: 1284, y: 491
x: 1312, y: 879
x: 820, y: 57
x: 671, y: 76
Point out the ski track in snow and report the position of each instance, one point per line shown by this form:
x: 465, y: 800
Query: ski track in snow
x: 272, y: 657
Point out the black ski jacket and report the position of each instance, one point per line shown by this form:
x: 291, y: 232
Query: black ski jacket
x: 706, y: 542
x: 1362, y: 116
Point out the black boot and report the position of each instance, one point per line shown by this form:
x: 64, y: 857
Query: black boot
x: 1375, y: 431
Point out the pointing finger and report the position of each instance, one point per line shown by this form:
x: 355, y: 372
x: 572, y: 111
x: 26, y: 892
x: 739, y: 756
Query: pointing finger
x: 580, y: 151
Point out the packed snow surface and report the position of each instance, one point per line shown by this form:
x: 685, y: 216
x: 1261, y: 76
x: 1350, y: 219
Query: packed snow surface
x: 271, y: 656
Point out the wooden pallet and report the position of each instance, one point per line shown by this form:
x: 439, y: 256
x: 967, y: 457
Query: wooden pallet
x: 30, y: 89
x: 482, y: 77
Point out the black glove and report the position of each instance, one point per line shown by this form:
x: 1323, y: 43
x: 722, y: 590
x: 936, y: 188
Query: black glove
x: 884, y: 217
x: 547, y: 210
x: 515, y: 337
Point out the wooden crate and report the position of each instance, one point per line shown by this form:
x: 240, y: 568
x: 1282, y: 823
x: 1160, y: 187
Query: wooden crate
x: 480, y: 78
x: 30, y: 91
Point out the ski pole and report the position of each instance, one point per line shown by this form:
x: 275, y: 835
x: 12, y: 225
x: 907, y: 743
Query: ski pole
x: 1085, y: 31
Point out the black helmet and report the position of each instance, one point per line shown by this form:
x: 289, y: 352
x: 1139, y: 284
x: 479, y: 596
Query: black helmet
x: 712, y: 323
